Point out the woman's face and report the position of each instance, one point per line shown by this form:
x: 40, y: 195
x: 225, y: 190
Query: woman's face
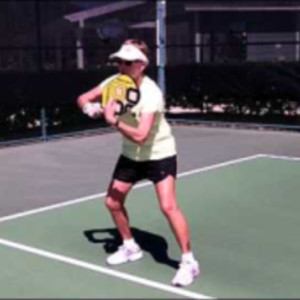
x: 134, y: 69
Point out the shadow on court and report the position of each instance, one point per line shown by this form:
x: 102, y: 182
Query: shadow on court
x: 155, y: 244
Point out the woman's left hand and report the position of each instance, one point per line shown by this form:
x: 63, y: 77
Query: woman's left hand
x: 110, y: 112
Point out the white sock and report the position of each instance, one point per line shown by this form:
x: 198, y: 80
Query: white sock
x: 187, y: 257
x: 129, y: 243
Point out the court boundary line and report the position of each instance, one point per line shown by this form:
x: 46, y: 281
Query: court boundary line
x: 114, y: 273
x: 102, y: 194
x: 283, y: 157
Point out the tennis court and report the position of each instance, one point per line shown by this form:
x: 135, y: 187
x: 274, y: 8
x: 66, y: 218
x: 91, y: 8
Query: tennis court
x: 238, y: 188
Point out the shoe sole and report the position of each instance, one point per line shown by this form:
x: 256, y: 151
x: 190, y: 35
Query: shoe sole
x: 195, y: 275
x: 133, y: 257
x: 136, y: 256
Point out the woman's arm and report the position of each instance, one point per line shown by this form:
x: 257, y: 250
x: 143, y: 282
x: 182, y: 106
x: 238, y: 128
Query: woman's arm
x: 89, y: 96
x: 137, y: 134
x: 85, y: 102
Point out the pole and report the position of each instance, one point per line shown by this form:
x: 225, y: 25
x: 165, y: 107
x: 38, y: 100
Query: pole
x: 79, y: 48
x: 38, y: 34
x: 161, y: 42
x: 297, y: 46
x: 44, y: 124
x: 197, y: 39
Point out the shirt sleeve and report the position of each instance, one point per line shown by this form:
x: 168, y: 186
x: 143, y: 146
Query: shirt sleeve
x: 152, y: 101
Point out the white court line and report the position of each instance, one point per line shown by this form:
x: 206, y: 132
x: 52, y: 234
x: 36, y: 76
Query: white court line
x: 282, y: 157
x: 95, y: 196
x: 99, y: 269
x: 103, y: 270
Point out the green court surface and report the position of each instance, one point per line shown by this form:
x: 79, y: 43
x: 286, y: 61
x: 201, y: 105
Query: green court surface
x: 244, y: 220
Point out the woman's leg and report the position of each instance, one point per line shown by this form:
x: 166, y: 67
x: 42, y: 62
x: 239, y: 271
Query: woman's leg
x: 189, y: 267
x: 166, y: 193
x: 114, y: 201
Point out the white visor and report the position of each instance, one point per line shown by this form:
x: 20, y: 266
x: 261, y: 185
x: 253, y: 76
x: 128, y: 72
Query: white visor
x: 131, y: 53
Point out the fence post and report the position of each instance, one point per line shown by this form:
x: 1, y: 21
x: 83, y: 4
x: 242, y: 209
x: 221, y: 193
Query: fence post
x: 44, y: 124
x: 38, y: 34
x: 161, y: 42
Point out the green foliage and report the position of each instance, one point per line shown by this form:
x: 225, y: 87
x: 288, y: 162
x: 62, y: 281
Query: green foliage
x: 256, y: 92
x: 267, y: 92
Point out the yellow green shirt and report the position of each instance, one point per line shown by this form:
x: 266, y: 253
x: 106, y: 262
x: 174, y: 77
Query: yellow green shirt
x: 160, y: 142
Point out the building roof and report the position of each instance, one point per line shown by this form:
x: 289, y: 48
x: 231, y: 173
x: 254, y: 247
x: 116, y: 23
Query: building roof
x: 102, y: 10
x: 242, y: 6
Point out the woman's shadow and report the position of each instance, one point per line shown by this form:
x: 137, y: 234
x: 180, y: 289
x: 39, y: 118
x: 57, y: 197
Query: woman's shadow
x: 150, y: 242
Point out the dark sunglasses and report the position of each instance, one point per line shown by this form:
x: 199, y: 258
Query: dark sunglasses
x: 125, y: 62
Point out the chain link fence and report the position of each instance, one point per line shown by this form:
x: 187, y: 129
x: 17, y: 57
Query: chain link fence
x: 51, y: 51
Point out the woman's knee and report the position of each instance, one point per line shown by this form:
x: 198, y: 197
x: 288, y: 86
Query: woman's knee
x: 116, y: 195
x: 113, y: 204
x: 168, y: 208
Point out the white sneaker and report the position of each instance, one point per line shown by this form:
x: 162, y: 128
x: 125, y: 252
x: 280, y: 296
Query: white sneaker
x: 186, y: 273
x: 125, y: 254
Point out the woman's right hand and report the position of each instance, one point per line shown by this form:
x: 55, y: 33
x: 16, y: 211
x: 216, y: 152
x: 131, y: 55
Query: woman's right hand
x: 93, y: 110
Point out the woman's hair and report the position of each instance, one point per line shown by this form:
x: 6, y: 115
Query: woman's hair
x: 142, y: 46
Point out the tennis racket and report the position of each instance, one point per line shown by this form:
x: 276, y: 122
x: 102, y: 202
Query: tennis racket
x: 124, y: 91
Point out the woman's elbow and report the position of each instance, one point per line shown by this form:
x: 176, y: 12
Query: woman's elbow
x: 141, y: 139
x: 80, y: 101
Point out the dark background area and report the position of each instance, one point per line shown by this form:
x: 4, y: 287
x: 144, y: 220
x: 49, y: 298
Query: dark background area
x: 229, y: 61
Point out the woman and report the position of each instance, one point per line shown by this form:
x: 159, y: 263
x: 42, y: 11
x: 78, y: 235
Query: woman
x: 149, y: 152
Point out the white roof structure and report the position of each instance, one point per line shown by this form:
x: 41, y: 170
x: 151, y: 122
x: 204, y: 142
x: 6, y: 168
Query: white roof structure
x: 242, y: 7
x: 143, y: 25
x: 81, y: 16
x: 101, y: 10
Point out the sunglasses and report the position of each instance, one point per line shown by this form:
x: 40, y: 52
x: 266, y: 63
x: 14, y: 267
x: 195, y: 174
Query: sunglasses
x: 125, y: 62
